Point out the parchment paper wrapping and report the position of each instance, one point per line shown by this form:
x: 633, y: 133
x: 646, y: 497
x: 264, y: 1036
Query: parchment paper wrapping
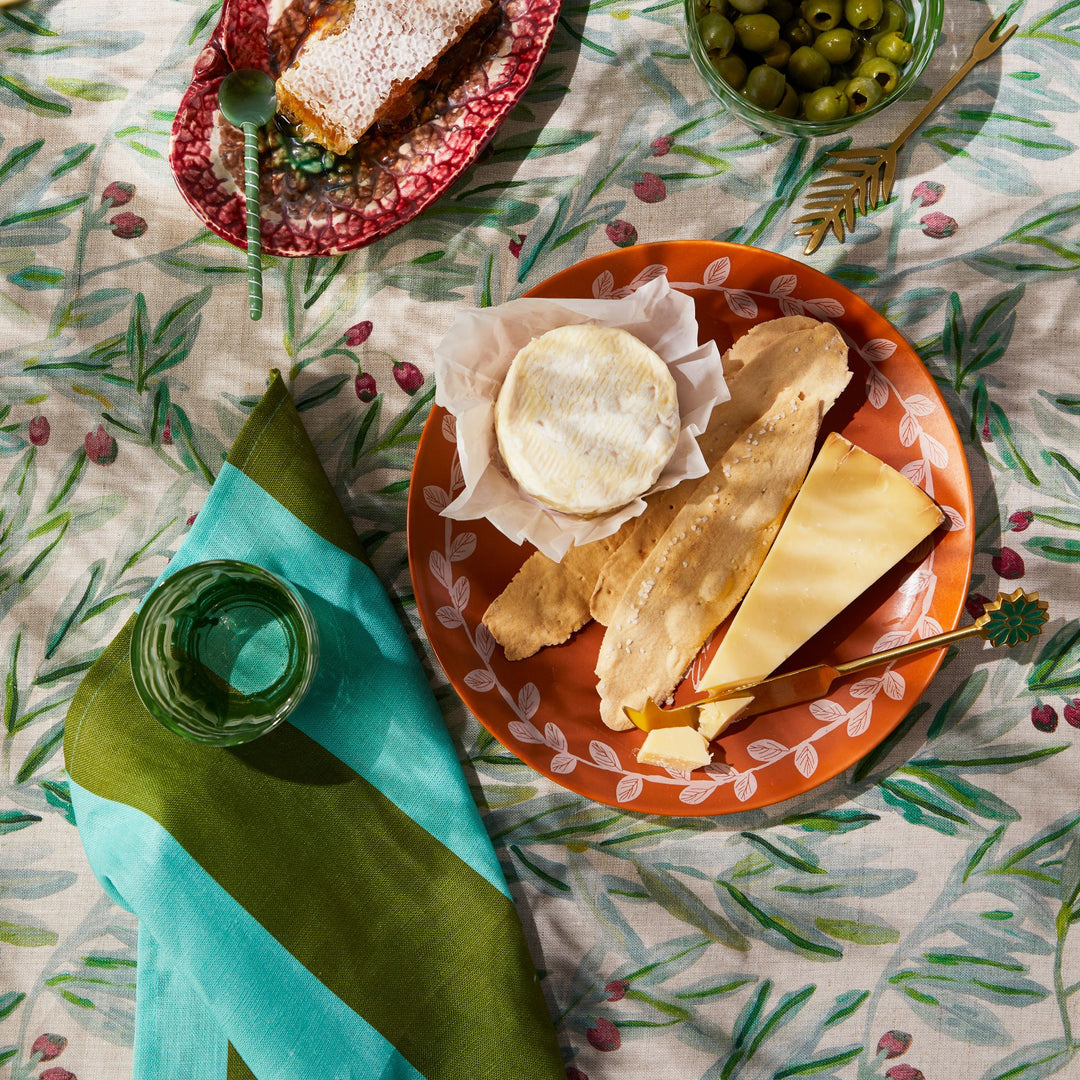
x: 473, y: 358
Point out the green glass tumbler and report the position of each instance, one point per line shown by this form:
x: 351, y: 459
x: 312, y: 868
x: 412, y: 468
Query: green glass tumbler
x: 222, y: 651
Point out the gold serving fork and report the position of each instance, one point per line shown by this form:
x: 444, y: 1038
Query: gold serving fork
x: 1009, y: 620
x: 859, y: 185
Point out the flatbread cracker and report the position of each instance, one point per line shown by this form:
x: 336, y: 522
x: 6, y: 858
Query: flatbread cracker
x: 547, y: 601
x: 769, y: 357
x: 708, y: 556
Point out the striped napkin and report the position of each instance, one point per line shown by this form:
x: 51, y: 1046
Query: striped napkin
x: 322, y: 902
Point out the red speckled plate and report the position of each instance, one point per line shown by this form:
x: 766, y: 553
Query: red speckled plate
x: 545, y: 709
x: 392, y: 174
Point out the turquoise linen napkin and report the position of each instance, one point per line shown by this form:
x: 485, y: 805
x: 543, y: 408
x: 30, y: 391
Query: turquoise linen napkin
x: 324, y: 901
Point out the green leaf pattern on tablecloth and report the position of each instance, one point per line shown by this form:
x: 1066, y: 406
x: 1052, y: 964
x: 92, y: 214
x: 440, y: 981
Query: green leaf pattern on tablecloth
x: 915, y: 918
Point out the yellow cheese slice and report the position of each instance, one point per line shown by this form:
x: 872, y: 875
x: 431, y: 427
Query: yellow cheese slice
x: 675, y: 748
x: 587, y: 418
x: 853, y: 519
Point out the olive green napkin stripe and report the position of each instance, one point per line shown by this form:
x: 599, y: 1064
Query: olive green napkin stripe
x: 406, y: 933
x: 235, y: 1069
x: 274, y: 450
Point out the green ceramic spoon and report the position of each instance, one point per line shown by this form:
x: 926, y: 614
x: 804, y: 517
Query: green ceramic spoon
x: 246, y: 98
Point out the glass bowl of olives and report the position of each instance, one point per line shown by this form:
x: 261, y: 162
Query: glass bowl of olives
x: 811, y: 67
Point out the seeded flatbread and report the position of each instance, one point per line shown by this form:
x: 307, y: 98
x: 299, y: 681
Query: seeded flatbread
x: 708, y: 556
x: 756, y: 367
x: 546, y: 601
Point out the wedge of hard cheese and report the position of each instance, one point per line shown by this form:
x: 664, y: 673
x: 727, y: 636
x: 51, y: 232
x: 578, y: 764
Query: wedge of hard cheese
x: 854, y: 518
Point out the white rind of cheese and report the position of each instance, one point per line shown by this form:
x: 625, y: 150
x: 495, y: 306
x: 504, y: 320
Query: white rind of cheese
x: 587, y: 418
x: 681, y: 748
x: 854, y: 518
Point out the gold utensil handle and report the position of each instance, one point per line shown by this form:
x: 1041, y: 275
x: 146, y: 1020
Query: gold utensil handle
x: 1010, y: 619
x: 1007, y: 620
x: 985, y: 47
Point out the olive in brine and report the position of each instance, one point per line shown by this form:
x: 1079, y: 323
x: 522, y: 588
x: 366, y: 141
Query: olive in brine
x: 732, y: 69
x: 862, y: 93
x: 884, y: 72
x: 789, y: 104
x: 837, y: 45
x: 826, y: 103
x: 717, y: 34
x: 808, y: 69
x: 823, y: 14
x: 863, y: 14
x: 765, y: 86
x: 757, y: 33
x: 893, y: 47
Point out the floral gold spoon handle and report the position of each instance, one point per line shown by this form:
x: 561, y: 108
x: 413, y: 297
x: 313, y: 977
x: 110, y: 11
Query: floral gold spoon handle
x: 858, y: 185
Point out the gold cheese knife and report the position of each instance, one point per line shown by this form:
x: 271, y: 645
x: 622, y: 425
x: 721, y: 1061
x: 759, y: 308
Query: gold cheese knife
x: 1009, y: 620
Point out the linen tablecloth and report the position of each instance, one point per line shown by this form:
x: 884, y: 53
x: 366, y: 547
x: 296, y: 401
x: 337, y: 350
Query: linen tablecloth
x: 916, y: 916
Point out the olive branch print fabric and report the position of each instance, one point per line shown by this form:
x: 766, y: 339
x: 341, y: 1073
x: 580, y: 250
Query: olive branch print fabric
x: 913, y: 918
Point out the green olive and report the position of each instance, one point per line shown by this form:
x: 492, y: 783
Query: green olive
x: 732, y: 69
x: 826, y: 103
x: 823, y: 14
x: 893, y: 18
x: 893, y: 47
x: 808, y: 69
x: 748, y: 7
x: 862, y: 93
x: 778, y: 56
x: 882, y: 71
x: 837, y: 45
x: 765, y: 86
x: 783, y: 11
x: 798, y: 32
x: 864, y: 50
x: 789, y: 103
x: 757, y: 33
x: 863, y: 14
x: 717, y: 34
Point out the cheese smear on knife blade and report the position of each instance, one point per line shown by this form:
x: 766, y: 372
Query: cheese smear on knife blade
x: 854, y: 518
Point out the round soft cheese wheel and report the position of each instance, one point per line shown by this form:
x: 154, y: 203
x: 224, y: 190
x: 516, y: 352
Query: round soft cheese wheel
x: 586, y: 418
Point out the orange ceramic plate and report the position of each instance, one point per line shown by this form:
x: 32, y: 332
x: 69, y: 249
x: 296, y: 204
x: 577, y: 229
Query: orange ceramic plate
x: 545, y: 708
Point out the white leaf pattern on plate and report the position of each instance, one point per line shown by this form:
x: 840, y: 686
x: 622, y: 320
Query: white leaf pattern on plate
x: 450, y: 617
x: 525, y: 732
x: 480, y: 680
x: 859, y: 718
x: 554, y: 737
x: 767, y: 750
x: 436, y: 498
x: 806, y: 759
x: 745, y: 786
x: 528, y: 701
x: 604, y: 756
